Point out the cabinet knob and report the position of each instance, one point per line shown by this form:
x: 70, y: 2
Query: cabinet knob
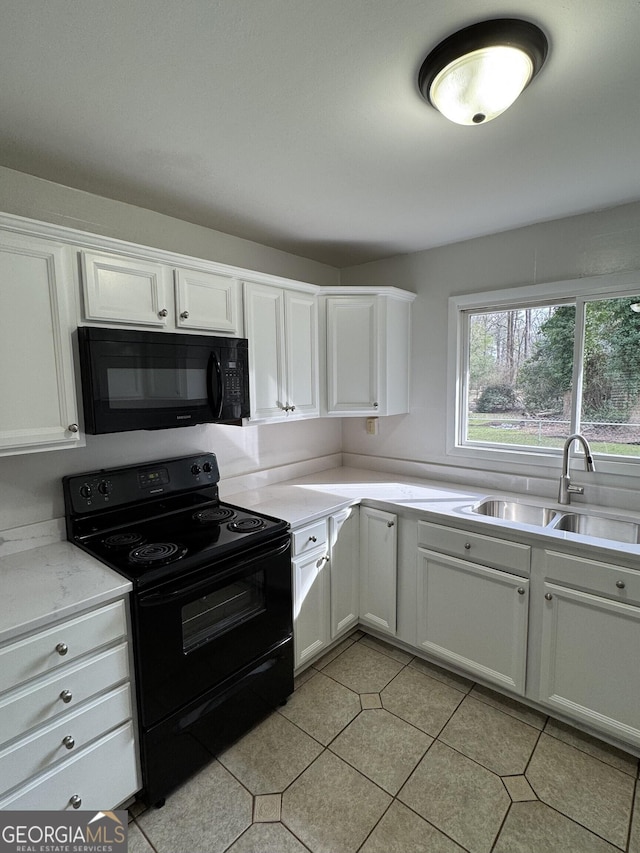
x: 66, y: 696
x: 185, y: 315
x: 62, y: 648
x: 73, y: 427
x: 375, y: 405
x: 69, y: 742
x: 313, y: 539
x: 75, y: 801
x: 390, y: 523
x: 548, y: 596
x: 163, y: 313
x: 292, y: 408
x: 467, y: 546
x: 520, y: 590
x: 620, y: 584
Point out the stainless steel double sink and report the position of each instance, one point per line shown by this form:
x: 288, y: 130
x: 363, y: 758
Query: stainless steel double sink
x: 601, y: 525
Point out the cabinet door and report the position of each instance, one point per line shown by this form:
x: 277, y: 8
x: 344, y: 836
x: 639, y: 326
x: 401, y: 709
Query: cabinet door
x: 378, y: 569
x: 352, y: 356
x: 301, y: 325
x: 473, y: 617
x: 207, y: 302
x: 264, y: 322
x: 125, y: 290
x: 310, y: 605
x: 37, y: 389
x: 344, y: 533
x: 589, y: 665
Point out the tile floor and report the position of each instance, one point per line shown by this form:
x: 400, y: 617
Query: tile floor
x: 380, y: 752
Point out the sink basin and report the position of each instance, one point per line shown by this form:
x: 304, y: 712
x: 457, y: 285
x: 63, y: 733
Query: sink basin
x: 521, y: 513
x: 604, y: 527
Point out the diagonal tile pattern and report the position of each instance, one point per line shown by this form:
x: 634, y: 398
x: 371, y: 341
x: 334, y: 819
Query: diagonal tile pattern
x: 350, y: 765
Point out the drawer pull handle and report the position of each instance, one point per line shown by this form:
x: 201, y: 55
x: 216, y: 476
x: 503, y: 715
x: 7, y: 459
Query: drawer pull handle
x: 548, y: 596
x: 313, y: 539
x: 520, y: 590
x: 162, y: 313
x: 66, y: 696
x: 467, y: 546
x: 75, y: 801
x: 62, y: 648
x: 185, y: 315
x: 69, y: 742
x: 620, y: 584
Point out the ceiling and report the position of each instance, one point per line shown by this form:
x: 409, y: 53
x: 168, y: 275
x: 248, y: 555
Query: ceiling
x: 298, y: 124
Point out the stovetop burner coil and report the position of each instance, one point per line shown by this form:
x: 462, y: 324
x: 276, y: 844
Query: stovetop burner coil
x: 157, y: 553
x: 247, y: 525
x: 124, y: 540
x: 213, y: 515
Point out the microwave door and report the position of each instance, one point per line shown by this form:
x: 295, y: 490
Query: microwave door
x: 215, y: 385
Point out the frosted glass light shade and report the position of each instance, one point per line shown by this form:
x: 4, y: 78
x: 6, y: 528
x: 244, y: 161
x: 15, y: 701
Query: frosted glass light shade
x: 475, y: 74
x: 480, y: 86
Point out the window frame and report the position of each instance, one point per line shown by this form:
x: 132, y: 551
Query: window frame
x: 570, y: 291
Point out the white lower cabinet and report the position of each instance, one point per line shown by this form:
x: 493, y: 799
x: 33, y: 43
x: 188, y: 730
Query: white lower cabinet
x: 378, y: 569
x: 311, y: 605
x: 344, y: 568
x: 67, y: 737
x: 325, y: 582
x: 473, y: 617
x: 591, y: 644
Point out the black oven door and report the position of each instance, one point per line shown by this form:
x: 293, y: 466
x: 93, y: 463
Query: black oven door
x: 152, y: 380
x: 196, y: 633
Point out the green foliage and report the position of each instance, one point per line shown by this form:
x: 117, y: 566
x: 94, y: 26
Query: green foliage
x: 497, y: 398
x: 546, y: 377
x: 611, y: 361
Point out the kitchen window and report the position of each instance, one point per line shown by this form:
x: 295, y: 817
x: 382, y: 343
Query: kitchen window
x: 535, y: 364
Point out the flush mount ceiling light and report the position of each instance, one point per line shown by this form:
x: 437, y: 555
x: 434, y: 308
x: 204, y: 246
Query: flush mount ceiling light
x: 477, y: 73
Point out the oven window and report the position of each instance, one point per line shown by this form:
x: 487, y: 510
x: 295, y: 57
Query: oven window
x: 220, y: 611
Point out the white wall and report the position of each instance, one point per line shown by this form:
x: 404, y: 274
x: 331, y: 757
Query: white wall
x: 30, y: 487
x: 602, y: 242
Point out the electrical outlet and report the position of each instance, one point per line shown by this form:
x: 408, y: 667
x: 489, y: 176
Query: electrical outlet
x: 372, y: 426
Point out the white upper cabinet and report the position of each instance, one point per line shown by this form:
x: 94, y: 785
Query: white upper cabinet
x: 282, y: 328
x: 125, y: 290
x: 37, y: 390
x: 208, y: 302
x: 120, y: 290
x: 368, y: 352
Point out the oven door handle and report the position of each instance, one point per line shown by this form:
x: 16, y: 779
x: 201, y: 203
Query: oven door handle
x: 215, y: 392
x: 155, y: 599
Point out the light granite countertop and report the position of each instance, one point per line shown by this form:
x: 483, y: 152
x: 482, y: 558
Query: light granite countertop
x: 305, y: 499
x: 40, y: 586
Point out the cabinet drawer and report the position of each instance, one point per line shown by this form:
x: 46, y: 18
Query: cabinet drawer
x: 309, y: 538
x: 475, y: 547
x: 102, y: 775
x: 45, y: 747
x: 37, y: 703
x: 45, y: 651
x: 593, y: 576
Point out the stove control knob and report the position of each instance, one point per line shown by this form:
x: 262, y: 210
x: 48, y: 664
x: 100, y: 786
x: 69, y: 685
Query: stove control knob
x: 86, y: 491
x: 195, y: 470
x: 207, y: 467
x: 105, y: 487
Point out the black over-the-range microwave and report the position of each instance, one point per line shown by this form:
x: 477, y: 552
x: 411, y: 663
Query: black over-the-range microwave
x: 158, y: 380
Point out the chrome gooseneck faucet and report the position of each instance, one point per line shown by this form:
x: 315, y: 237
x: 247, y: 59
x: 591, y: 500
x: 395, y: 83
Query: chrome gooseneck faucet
x: 566, y: 488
